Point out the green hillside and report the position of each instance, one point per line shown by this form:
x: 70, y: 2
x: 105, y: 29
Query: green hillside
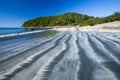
x: 70, y: 19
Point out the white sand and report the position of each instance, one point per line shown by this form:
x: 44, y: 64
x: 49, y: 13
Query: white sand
x: 107, y: 27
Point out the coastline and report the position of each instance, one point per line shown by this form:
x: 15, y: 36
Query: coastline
x: 20, y: 34
x: 32, y: 58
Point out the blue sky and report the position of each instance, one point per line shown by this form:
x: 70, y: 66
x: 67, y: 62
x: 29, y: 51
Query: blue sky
x: 14, y: 12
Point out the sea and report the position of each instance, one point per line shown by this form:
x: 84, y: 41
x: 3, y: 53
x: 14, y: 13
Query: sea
x: 17, y: 30
x: 12, y: 30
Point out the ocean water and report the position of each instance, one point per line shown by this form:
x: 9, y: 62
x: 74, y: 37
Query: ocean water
x: 12, y: 30
x: 18, y: 30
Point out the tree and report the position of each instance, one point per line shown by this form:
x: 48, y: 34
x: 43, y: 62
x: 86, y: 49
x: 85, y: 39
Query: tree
x: 70, y: 19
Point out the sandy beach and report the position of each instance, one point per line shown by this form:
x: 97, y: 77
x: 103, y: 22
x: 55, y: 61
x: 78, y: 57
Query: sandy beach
x: 69, y: 55
x: 107, y: 27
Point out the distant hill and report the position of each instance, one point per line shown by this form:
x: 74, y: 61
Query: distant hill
x: 70, y: 19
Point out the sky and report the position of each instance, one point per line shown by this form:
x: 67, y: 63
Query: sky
x: 13, y: 13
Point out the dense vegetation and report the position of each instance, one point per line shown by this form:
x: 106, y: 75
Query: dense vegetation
x: 70, y: 19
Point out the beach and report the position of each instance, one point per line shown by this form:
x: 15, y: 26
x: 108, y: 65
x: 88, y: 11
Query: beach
x: 68, y: 55
x: 59, y: 39
x: 106, y: 27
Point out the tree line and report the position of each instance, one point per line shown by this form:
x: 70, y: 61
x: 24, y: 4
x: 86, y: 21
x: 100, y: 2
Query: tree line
x: 70, y: 19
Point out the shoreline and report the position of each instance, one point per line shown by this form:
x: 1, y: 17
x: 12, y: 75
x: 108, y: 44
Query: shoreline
x: 20, y: 34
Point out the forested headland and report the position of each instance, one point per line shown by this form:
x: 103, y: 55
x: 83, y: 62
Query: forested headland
x: 70, y: 19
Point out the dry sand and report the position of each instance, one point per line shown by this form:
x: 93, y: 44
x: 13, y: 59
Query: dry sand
x: 107, y: 27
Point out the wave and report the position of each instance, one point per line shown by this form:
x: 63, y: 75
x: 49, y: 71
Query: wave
x: 21, y: 33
